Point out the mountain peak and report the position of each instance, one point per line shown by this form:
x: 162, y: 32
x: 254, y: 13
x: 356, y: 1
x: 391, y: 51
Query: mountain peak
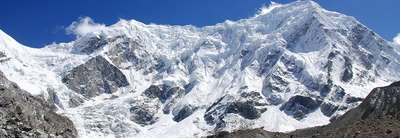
x: 301, y: 5
x: 296, y: 63
x: 301, y: 10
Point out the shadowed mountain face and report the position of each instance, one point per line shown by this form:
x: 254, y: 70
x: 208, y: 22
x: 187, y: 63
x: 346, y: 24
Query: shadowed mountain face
x: 95, y: 77
x: 22, y: 115
x: 377, y: 116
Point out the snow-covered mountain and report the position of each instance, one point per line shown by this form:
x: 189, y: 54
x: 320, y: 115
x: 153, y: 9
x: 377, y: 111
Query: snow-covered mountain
x: 290, y: 66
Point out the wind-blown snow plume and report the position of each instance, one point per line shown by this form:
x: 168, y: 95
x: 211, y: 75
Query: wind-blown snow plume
x: 268, y: 8
x: 84, y: 26
x: 396, y: 39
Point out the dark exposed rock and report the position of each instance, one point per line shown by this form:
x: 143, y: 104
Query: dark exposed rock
x: 168, y: 106
x: 395, y: 84
x: 272, y: 87
x: 246, y: 110
x: 299, y: 106
x: 3, y: 57
x: 325, y: 90
x: 184, y: 112
x: 339, y: 94
x: 22, y: 115
x: 163, y: 92
x: 254, y: 97
x: 95, y: 77
x: 328, y: 109
x: 252, y: 133
x: 336, y: 92
x: 188, y: 87
x: 2, y: 54
x: 154, y: 92
x: 244, y: 52
x: 142, y: 115
x: 353, y: 99
x: 333, y: 54
x: 251, y: 106
x: 348, y: 70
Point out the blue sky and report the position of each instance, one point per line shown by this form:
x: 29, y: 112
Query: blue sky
x: 39, y: 22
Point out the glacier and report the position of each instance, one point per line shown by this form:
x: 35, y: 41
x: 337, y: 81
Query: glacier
x: 291, y: 66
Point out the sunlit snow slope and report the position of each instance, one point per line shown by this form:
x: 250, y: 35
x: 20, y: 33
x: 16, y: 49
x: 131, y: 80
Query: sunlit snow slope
x: 289, y: 67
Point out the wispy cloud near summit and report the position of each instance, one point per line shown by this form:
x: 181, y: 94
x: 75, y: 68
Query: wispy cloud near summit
x: 84, y: 26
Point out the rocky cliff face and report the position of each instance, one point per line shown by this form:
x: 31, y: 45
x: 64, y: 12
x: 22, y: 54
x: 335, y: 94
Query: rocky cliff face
x: 22, y: 115
x: 95, y: 77
x: 377, y: 116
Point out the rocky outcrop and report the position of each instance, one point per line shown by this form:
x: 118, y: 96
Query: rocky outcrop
x: 328, y: 108
x: 2, y: 54
x: 23, y: 115
x: 142, y: 115
x: 348, y: 72
x: 144, y: 111
x: 250, y: 106
x: 3, y: 57
x: 163, y: 92
x: 184, y: 112
x: 95, y: 77
x: 168, y: 95
x: 299, y: 106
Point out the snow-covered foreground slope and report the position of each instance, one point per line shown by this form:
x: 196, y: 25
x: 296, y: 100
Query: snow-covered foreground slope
x: 289, y: 67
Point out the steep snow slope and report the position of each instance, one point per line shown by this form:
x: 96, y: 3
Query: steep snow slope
x: 292, y: 66
x: 36, y: 70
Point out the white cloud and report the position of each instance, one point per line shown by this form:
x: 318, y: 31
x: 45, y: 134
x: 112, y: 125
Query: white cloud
x: 396, y: 39
x: 84, y: 26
